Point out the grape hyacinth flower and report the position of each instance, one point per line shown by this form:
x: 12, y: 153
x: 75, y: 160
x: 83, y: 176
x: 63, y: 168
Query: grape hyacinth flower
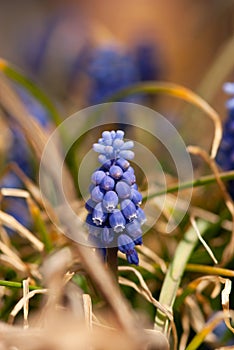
x: 225, y: 156
x: 110, y: 70
x: 114, y: 214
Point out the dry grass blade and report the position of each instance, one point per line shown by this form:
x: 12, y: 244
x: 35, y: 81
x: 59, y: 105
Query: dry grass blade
x: 153, y: 256
x: 146, y: 290
x: 229, y: 250
x: 143, y: 292
x: 206, y: 281
x: 197, y: 319
x: 15, y: 259
x: 9, y: 261
x: 22, y: 302
x: 5, y: 237
x: 67, y: 277
x: 202, y: 213
x: 14, y: 192
x: 12, y: 223
x: 26, y: 303
x: 211, y: 217
x: 225, y: 303
x: 32, y: 189
x: 146, y: 293
x: 201, y: 239
x: 87, y: 310
x: 142, y: 261
x: 199, y: 284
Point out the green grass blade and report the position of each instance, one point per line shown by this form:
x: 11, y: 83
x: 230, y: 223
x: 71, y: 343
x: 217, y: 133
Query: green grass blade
x: 175, y: 272
x: 15, y: 75
x: 202, y: 181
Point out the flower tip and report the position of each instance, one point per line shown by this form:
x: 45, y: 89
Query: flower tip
x: 133, y: 257
x: 228, y: 88
x: 119, y: 134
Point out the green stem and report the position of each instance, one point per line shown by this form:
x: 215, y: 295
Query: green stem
x: 112, y: 261
x: 209, y: 270
x: 202, y: 181
x: 13, y: 284
x: 175, y: 272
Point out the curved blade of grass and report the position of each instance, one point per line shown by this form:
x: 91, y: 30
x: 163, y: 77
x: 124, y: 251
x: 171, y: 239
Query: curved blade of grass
x: 15, y: 75
x: 180, y: 92
x: 204, y: 270
x: 175, y: 272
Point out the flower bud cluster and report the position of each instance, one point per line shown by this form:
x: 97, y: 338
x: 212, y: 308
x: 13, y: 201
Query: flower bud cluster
x: 114, y: 214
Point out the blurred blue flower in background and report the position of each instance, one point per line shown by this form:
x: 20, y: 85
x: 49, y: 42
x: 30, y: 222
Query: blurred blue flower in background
x: 225, y: 156
x: 110, y: 70
x: 224, y: 336
x: 54, y: 53
x: 19, y: 153
x: 114, y: 214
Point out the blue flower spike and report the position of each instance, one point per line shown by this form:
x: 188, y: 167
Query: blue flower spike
x: 114, y: 213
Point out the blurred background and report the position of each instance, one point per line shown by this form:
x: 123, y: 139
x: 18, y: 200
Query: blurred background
x: 54, y: 42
